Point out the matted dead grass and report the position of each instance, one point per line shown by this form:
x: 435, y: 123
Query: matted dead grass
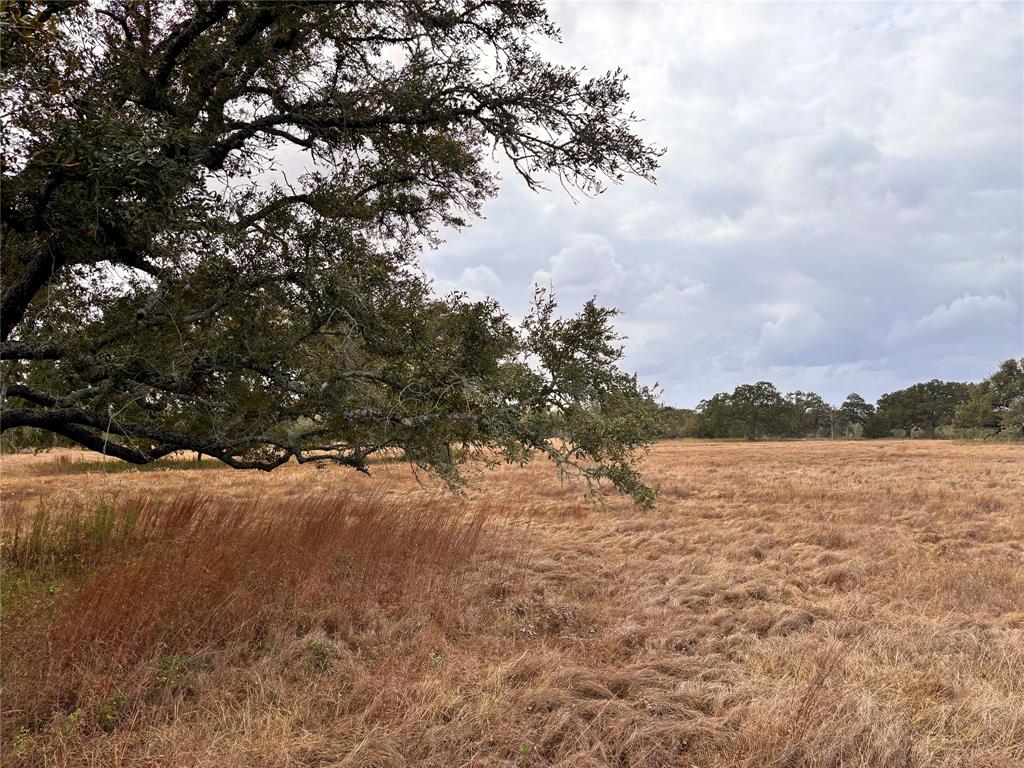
x: 787, y: 604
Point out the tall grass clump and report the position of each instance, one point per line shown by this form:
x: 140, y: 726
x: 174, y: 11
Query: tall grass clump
x: 143, y: 578
x: 61, y: 543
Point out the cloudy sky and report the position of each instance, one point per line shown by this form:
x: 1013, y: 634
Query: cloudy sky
x: 840, y: 208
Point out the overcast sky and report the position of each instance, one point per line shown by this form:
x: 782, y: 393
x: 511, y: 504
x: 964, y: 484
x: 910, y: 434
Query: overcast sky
x: 840, y: 208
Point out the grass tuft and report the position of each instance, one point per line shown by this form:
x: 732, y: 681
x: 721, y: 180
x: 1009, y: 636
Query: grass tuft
x: 145, y: 579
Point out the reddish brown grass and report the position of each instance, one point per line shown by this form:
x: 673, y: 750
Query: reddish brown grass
x: 152, y: 577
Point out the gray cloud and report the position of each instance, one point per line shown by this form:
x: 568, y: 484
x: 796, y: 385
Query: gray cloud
x: 840, y: 207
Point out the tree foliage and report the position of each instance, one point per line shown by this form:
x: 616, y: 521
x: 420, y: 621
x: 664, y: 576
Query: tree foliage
x: 161, y: 293
x: 678, y: 422
x: 810, y: 415
x: 750, y: 411
x: 997, y: 403
x: 855, y: 410
x: 922, y: 407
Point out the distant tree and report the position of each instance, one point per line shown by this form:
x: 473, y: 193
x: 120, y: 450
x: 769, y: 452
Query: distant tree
x: 159, y: 295
x: 824, y: 419
x: 751, y: 411
x: 835, y: 422
x: 997, y: 403
x: 925, y: 407
x: 854, y: 410
x: 1013, y: 417
x: 810, y: 415
x: 978, y: 414
x: 877, y: 426
x: 799, y: 417
x: 717, y: 417
x: 678, y: 422
x: 760, y: 409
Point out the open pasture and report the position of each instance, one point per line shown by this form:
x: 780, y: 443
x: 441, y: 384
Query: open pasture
x: 808, y: 603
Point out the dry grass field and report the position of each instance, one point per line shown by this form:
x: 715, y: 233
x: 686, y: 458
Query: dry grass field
x: 787, y: 604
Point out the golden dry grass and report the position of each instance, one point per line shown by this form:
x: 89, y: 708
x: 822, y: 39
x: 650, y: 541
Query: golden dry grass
x: 787, y: 604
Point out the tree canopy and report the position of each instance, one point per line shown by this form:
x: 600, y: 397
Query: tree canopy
x: 162, y: 290
x: 925, y: 407
x: 856, y: 410
x: 997, y: 403
x: 751, y: 411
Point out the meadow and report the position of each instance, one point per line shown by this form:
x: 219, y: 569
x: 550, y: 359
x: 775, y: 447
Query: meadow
x: 806, y: 603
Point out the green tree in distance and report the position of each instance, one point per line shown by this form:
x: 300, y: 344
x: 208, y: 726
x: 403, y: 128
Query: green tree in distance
x: 160, y: 294
x: 925, y: 406
x: 760, y: 408
x: 751, y: 411
x: 997, y: 403
x: 810, y: 415
x: 855, y: 410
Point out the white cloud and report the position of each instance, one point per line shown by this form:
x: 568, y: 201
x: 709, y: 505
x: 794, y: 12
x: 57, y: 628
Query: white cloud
x: 969, y: 314
x: 790, y: 334
x: 477, y: 282
x: 679, y: 295
x: 480, y: 281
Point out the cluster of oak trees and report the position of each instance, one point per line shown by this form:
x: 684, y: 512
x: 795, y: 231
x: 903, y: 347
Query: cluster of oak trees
x: 934, y: 408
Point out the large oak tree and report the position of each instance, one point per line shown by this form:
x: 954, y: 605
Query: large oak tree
x: 162, y: 290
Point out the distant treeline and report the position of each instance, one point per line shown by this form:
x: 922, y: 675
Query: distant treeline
x: 934, y: 408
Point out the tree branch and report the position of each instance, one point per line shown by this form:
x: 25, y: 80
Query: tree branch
x: 35, y: 273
